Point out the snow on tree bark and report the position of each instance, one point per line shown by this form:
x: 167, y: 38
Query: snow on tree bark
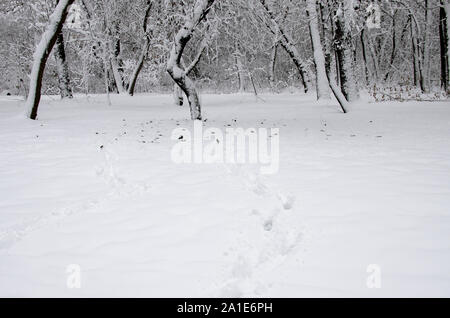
x: 177, y: 91
x: 174, y: 65
x: 41, y: 55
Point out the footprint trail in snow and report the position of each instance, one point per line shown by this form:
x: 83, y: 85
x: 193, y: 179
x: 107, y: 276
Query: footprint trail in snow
x: 267, y: 238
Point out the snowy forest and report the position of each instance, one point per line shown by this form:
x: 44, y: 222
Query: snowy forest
x: 395, y: 50
x: 224, y: 148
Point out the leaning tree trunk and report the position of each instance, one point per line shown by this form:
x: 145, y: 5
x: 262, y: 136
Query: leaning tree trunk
x: 322, y: 88
x: 174, y: 65
x: 344, y: 52
x: 298, y: 61
x: 41, y: 55
x: 62, y: 68
x: 138, y: 68
x: 144, y: 53
x: 287, y: 43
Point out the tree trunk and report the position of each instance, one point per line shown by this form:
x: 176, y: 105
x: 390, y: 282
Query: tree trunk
x: 323, y: 75
x: 444, y: 29
x: 339, y: 96
x: 326, y: 44
x: 298, y: 62
x: 426, y: 50
x: 178, y: 97
x: 364, y: 55
x: 322, y: 85
x: 344, y: 52
x: 250, y: 76
x: 106, y: 67
x: 394, y: 45
x: 118, y: 76
x: 447, y: 28
x: 114, y: 55
x: 177, y: 91
x: 138, y: 68
x: 62, y: 68
x: 41, y: 55
x: 273, y: 61
x: 287, y: 43
x: 174, y: 67
x: 417, y: 69
x: 144, y: 53
x: 240, y: 70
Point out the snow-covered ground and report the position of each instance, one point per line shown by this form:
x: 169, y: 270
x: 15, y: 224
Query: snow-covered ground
x: 95, y: 186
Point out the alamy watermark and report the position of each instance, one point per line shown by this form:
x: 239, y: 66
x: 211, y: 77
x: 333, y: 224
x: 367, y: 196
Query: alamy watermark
x: 374, y: 278
x: 73, y: 276
x: 237, y: 145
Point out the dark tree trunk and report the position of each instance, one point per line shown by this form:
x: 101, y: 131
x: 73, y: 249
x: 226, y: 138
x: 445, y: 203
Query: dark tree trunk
x: 345, y: 56
x: 62, y: 68
x: 417, y: 65
x: 394, y: 42
x: 240, y: 69
x: 443, y: 39
x: 298, y: 63
x: 42, y: 53
x: 137, y: 70
x: 273, y: 62
x: 364, y: 56
x: 144, y: 52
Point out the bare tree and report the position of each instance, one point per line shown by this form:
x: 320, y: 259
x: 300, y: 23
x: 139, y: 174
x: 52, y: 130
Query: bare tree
x: 174, y: 65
